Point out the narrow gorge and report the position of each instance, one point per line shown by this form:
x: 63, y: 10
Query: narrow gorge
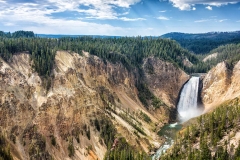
x: 89, y: 103
x: 187, y: 108
x: 86, y: 98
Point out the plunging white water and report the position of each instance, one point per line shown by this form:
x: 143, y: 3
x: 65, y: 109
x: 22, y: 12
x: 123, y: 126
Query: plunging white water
x: 187, y: 105
x: 187, y: 109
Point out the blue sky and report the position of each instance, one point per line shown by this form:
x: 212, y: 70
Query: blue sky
x: 119, y: 17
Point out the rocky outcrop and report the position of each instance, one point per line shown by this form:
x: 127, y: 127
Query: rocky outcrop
x: 164, y: 79
x: 210, y: 57
x: 220, y: 84
x: 86, y: 94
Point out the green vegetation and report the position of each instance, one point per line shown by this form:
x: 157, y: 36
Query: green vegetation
x: 130, y: 51
x: 71, y: 150
x: 122, y: 151
x: 5, y: 153
x: 36, y: 143
x: 205, y: 42
x: 108, y: 131
x: 144, y: 94
x: 97, y: 125
x: 37, y: 147
x: 17, y: 34
x: 157, y: 103
x: 212, y: 132
x: 145, y: 117
x: 118, y: 148
x: 42, y: 52
x: 147, y: 97
x: 125, y: 115
x: 13, y: 138
x: 87, y: 131
x: 229, y: 53
x: 53, y: 141
x: 130, y: 121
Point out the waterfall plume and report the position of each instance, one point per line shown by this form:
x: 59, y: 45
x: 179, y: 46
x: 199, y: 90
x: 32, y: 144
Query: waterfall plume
x: 187, y: 105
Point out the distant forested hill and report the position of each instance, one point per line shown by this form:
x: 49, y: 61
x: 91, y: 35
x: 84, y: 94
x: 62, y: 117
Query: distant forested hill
x: 229, y: 53
x: 17, y: 34
x: 72, y: 36
x: 204, y: 42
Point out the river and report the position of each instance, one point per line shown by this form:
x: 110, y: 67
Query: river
x: 168, y: 132
x: 187, y: 109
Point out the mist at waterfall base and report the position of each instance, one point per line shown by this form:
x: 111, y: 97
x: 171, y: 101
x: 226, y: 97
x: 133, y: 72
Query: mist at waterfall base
x: 187, y: 109
x: 188, y: 102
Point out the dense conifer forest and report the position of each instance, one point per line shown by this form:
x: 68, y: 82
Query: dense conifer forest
x: 209, y: 136
x: 229, y: 53
x: 128, y: 50
x: 203, y: 43
x: 17, y: 34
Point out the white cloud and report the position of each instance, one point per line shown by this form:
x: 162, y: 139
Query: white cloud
x: 125, y: 13
x: 132, y: 19
x: 38, y: 16
x: 163, y: 18
x: 193, y: 8
x: 181, y: 5
x: 100, y: 9
x: 150, y: 28
x: 202, y: 20
x: 209, y: 8
x: 222, y: 20
x: 9, y: 24
x: 188, y: 4
x: 163, y: 11
x: 212, y: 20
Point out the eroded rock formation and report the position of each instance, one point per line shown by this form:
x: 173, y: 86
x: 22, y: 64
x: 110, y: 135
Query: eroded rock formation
x: 86, y: 93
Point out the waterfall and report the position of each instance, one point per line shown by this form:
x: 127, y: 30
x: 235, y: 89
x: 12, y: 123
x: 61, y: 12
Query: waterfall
x: 187, y: 105
x: 187, y: 109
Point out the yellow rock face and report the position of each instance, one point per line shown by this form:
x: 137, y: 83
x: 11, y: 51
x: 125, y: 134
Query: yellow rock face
x: 221, y: 84
x: 83, y: 89
x: 164, y: 79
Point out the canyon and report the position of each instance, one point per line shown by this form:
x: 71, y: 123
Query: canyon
x: 41, y: 123
x: 88, y: 94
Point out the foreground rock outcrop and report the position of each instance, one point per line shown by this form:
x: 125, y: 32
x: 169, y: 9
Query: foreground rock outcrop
x: 220, y: 84
x: 87, y: 95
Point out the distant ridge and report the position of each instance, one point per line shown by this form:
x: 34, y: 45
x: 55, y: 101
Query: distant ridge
x: 203, y: 43
x: 198, y: 43
x: 73, y: 36
x: 209, y: 35
x: 17, y: 34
